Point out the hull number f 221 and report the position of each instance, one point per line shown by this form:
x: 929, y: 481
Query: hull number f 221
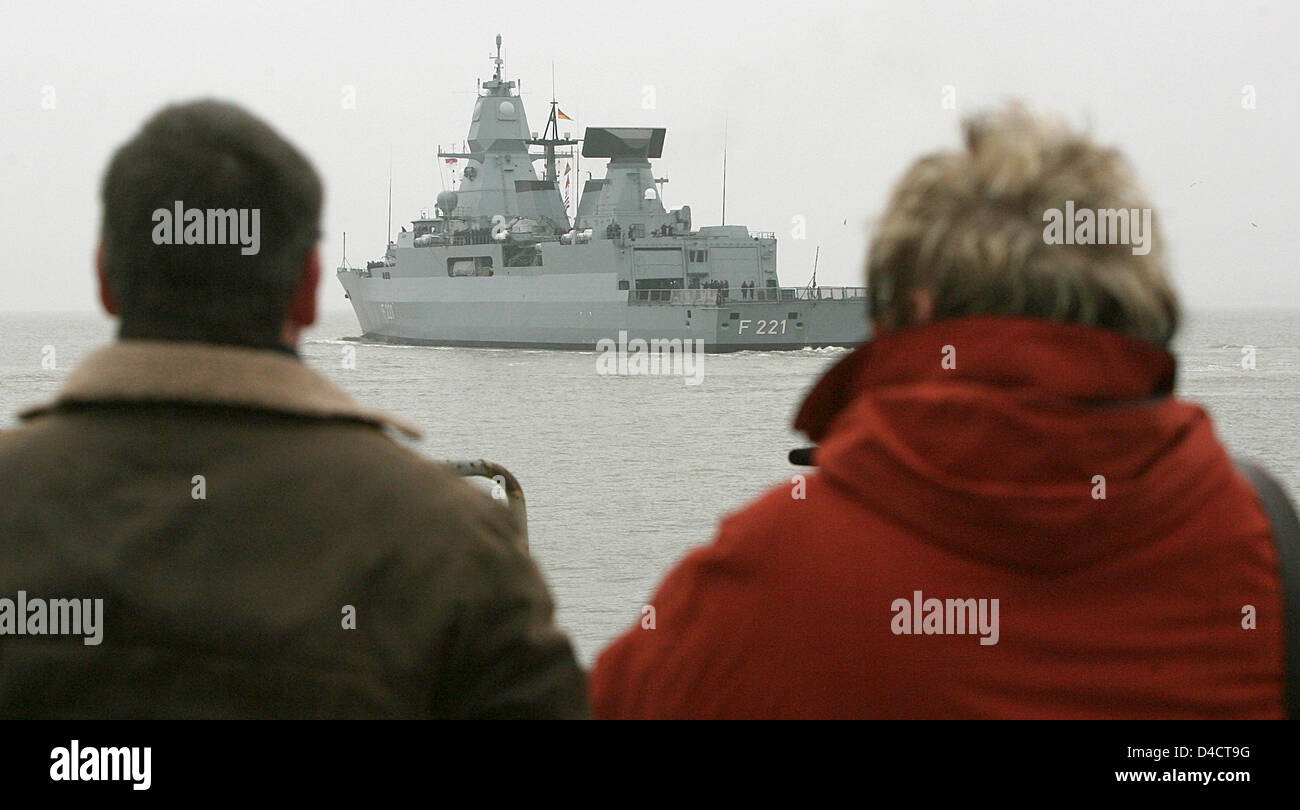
x: 763, y: 327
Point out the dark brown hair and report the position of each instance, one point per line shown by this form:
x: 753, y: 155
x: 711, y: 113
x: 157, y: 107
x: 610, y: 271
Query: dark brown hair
x: 207, y: 155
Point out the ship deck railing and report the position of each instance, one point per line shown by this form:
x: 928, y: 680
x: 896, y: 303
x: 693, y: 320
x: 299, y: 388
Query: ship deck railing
x: 738, y: 295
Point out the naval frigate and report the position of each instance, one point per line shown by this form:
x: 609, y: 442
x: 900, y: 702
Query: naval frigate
x: 500, y: 264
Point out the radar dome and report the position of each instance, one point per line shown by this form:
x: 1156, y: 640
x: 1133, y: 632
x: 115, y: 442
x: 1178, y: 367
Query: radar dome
x: 447, y: 201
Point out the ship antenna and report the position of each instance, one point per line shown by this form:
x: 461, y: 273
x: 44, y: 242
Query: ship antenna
x: 389, y: 237
x: 497, y: 58
x: 551, y: 137
x: 724, y: 173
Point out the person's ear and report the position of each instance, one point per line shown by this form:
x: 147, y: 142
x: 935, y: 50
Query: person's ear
x: 302, y: 309
x: 105, y: 291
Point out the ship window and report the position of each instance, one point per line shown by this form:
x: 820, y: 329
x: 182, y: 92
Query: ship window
x: 699, y: 256
x: 622, y: 285
x: 794, y: 316
x: 735, y: 316
x: 659, y: 284
x: 388, y: 275
x: 469, y: 266
x: 688, y: 314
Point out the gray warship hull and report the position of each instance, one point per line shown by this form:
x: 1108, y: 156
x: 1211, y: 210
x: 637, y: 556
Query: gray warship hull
x: 414, y: 313
x: 576, y: 310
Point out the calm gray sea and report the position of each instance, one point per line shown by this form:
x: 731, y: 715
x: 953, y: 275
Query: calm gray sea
x: 624, y: 474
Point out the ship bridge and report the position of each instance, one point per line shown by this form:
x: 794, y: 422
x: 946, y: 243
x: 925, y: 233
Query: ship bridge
x: 499, y: 180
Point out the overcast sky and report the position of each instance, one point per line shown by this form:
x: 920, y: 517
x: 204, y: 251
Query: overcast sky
x: 823, y: 106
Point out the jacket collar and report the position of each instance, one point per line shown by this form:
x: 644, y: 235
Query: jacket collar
x: 210, y: 374
x: 1085, y: 365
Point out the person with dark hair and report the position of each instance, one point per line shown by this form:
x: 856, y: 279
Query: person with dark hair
x: 257, y: 543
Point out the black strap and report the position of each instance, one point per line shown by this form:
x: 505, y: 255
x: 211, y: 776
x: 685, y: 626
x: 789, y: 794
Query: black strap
x: 1286, y: 536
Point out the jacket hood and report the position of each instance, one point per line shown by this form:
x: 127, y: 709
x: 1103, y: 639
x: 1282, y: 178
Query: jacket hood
x: 987, y: 435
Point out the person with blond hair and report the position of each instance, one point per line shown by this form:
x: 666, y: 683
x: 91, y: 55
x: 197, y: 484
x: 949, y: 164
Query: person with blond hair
x: 1013, y: 515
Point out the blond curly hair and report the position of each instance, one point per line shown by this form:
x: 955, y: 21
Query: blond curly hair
x: 967, y: 227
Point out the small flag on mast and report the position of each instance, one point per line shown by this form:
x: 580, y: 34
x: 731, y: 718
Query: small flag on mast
x: 561, y: 114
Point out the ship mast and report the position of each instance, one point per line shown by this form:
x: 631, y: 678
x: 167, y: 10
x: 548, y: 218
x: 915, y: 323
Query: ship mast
x: 549, y: 140
x: 551, y: 136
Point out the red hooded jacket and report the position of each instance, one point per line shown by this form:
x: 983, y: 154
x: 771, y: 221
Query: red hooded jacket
x: 1042, y: 465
